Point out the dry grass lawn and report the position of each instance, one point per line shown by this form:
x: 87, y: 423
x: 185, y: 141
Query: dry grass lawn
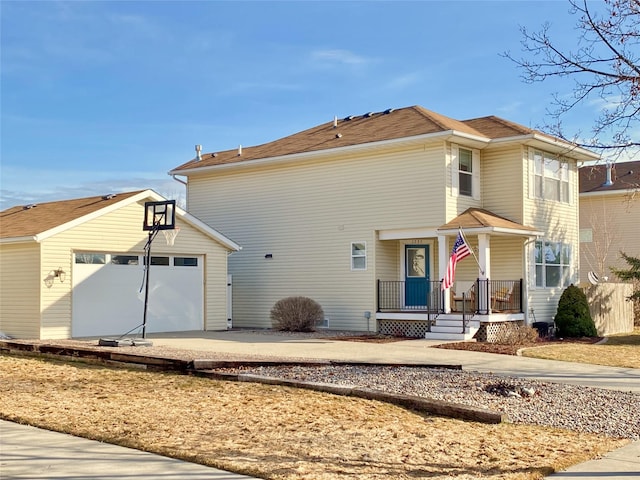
x: 277, y: 432
x: 621, y: 350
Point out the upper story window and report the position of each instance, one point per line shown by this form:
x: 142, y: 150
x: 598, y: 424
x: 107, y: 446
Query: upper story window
x: 465, y: 172
x: 551, y: 177
x: 358, y: 255
x: 553, y: 264
x: 465, y: 169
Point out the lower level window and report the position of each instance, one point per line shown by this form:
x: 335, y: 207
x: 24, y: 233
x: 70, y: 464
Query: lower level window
x: 358, y: 256
x: 553, y: 264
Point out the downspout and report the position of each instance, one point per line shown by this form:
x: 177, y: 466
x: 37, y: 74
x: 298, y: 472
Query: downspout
x: 527, y: 280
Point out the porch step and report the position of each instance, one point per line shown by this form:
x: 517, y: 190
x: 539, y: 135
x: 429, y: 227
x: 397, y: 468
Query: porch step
x: 460, y: 337
x: 457, y: 323
x: 450, y: 329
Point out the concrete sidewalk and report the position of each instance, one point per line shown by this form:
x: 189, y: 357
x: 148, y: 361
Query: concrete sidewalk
x: 33, y: 453
x: 623, y: 463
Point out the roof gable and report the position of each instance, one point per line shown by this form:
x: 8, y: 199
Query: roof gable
x: 480, y: 219
x: 38, y: 222
x: 364, y: 129
x: 32, y: 220
x: 625, y: 176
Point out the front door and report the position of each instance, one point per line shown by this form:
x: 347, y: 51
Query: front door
x: 416, y: 275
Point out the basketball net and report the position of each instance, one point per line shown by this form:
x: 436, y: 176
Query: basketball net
x: 171, y: 235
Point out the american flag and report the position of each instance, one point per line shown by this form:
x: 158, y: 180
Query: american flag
x: 460, y: 250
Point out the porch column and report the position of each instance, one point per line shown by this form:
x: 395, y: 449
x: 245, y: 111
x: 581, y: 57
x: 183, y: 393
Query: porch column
x: 484, y: 256
x: 443, y: 260
x: 484, y: 259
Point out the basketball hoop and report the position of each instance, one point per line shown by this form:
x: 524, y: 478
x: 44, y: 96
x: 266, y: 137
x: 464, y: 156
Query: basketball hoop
x: 171, y: 235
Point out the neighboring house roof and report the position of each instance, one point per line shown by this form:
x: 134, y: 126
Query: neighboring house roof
x: 384, y: 126
x: 37, y: 222
x: 483, y: 221
x: 624, y: 176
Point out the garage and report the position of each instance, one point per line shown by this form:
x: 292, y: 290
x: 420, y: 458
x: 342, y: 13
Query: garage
x: 76, y: 269
x: 108, y: 294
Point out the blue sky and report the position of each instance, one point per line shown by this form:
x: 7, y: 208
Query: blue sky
x: 102, y: 97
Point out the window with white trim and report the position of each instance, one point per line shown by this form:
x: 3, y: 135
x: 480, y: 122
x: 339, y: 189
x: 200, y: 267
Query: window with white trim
x: 465, y: 171
x: 358, y: 255
x: 551, y: 177
x: 552, y: 264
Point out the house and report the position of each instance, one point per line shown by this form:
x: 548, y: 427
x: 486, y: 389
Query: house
x: 342, y: 212
x: 74, y: 268
x: 609, y: 217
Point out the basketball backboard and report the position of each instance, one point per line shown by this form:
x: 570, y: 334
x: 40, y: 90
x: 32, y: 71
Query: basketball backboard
x: 159, y: 215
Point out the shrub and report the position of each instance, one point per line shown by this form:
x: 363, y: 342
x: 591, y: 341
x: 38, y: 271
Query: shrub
x: 296, y: 314
x: 515, y: 334
x: 573, y: 318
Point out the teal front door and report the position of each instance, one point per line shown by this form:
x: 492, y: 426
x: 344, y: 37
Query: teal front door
x: 416, y: 275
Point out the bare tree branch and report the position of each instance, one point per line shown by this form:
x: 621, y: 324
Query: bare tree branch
x: 605, y: 67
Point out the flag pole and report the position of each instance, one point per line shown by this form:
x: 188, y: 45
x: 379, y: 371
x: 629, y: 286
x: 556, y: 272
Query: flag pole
x: 470, y: 249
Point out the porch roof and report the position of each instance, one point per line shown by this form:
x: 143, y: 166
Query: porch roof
x: 478, y: 220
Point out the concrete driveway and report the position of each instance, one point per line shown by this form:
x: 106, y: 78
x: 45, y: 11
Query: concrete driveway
x: 418, y: 351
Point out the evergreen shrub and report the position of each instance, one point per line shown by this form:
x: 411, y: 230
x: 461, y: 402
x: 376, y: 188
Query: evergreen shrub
x: 573, y: 318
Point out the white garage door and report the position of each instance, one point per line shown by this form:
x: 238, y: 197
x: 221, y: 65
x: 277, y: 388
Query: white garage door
x: 108, y: 294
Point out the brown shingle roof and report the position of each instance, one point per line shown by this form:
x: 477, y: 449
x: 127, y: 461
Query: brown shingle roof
x: 496, y: 127
x: 21, y: 221
x: 625, y: 176
x: 361, y: 129
x: 480, y: 218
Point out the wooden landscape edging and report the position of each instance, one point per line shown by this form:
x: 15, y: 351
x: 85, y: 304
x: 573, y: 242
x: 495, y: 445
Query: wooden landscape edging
x: 412, y: 402
x: 91, y: 355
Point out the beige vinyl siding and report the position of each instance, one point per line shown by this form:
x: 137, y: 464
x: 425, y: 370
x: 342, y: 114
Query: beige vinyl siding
x: 506, y: 258
x: 503, y: 182
x: 20, y: 278
x: 121, y: 232
x: 614, y: 220
x: 306, y: 215
x: 387, y: 260
x: 559, y: 222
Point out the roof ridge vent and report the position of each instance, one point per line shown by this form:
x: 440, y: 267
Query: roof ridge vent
x: 108, y: 196
x: 368, y: 115
x: 350, y: 117
x: 388, y: 111
x: 30, y: 206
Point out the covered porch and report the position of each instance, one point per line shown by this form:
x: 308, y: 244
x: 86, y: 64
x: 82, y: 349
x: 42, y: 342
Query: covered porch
x: 486, y: 291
